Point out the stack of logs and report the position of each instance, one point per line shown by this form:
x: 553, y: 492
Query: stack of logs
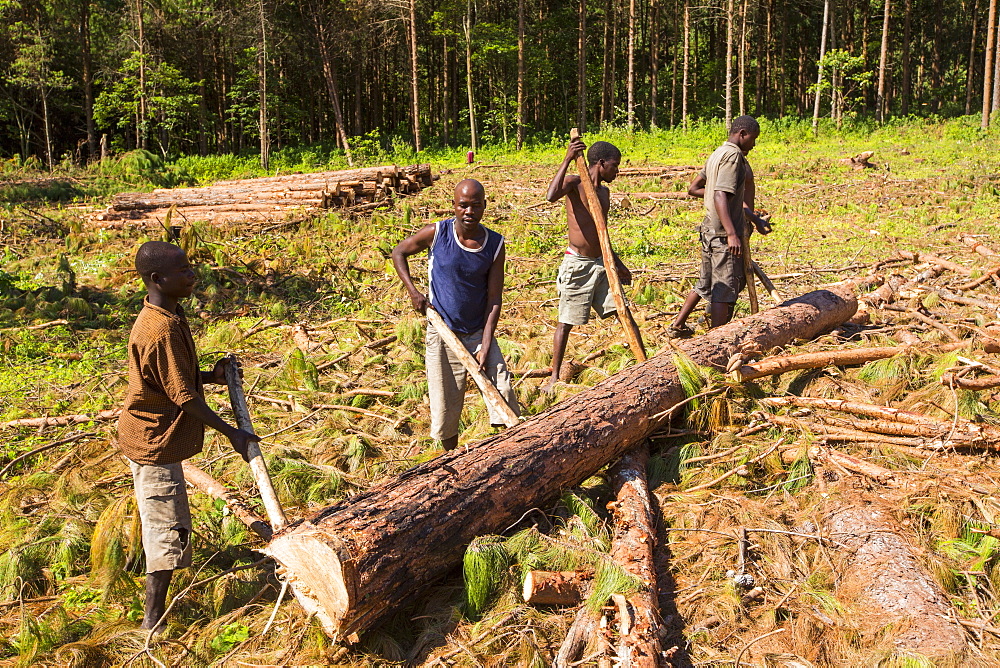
x: 268, y: 199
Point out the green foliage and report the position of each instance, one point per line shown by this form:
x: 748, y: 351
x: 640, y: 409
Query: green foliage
x: 116, y: 543
x: 171, y: 101
x: 484, y: 568
x: 800, y: 473
x: 584, y: 509
x: 230, y: 636
x: 610, y: 579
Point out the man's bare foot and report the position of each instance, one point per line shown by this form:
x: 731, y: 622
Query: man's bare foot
x: 550, y: 386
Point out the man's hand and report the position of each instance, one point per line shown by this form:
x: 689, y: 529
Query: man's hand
x: 481, y: 358
x: 735, y: 245
x: 420, y: 302
x: 576, y: 148
x: 240, y: 440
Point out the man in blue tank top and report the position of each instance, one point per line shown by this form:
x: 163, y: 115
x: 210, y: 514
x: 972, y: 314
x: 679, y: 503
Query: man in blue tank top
x: 465, y: 286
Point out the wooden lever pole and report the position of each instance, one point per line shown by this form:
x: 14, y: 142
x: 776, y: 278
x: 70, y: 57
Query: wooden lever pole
x: 597, y: 213
x: 748, y: 270
x: 766, y: 282
x: 275, y: 515
x: 491, y: 395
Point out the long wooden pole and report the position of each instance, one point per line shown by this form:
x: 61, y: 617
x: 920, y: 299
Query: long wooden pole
x: 766, y: 281
x: 491, y: 395
x: 594, y: 204
x: 275, y: 514
x: 748, y: 271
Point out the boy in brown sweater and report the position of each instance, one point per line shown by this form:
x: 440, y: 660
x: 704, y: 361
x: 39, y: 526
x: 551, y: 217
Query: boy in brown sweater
x: 164, y: 416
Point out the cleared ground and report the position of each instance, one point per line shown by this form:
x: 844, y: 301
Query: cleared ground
x: 70, y: 567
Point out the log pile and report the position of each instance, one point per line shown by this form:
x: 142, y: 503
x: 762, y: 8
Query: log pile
x: 662, y: 172
x: 269, y: 198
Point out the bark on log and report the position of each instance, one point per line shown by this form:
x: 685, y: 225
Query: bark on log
x: 577, y: 637
x: 977, y: 247
x: 771, y: 366
x: 856, y: 408
x: 984, y: 383
x: 985, y: 278
x: 830, y: 433
x: 632, y: 544
x: 362, y: 557
x: 270, y: 196
x: 964, y: 427
x: 934, y: 259
x: 885, y: 573
x: 555, y: 587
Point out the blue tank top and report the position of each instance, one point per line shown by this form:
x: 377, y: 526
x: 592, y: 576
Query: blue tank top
x: 457, y: 277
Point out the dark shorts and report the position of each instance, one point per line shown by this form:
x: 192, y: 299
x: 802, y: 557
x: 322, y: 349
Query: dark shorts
x: 722, y: 275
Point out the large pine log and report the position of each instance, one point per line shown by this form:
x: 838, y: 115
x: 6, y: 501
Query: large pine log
x: 632, y: 548
x: 361, y: 558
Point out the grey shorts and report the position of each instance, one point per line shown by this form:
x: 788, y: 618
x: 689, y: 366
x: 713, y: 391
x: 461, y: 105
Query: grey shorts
x: 722, y: 275
x: 582, y: 283
x: 446, y: 381
x: 166, y: 517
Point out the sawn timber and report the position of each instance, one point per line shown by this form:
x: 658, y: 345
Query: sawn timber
x: 359, y: 559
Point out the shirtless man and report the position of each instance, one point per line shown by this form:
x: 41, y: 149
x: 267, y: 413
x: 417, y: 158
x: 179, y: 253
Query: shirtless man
x: 582, y: 282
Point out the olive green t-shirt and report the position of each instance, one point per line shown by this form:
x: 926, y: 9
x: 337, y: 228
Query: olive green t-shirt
x: 725, y: 170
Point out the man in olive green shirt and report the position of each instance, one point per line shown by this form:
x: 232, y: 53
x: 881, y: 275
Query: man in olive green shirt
x: 722, y: 275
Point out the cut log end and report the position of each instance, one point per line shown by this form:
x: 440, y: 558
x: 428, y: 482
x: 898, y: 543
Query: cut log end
x: 554, y: 587
x: 320, y: 570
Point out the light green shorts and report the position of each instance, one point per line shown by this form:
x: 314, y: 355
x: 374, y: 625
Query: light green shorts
x: 582, y: 283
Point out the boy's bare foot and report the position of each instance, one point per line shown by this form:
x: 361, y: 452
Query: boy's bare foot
x: 550, y: 386
x: 682, y: 332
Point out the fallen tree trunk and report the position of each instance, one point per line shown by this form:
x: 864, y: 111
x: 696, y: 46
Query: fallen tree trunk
x: 885, y: 572
x: 934, y: 259
x: 632, y: 544
x: 771, y: 366
x: 361, y: 558
x: 977, y: 247
x: 985, y: 278
x: 269, y: 197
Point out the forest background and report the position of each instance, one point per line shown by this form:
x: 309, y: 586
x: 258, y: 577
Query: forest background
x: 81, y: 79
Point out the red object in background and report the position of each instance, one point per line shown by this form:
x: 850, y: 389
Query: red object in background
x: 470, y: 157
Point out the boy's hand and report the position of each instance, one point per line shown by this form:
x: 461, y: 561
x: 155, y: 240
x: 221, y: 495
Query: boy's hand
x: 576, y: 148
x: 624, y: 274
x: 218, y: 373
x: 240, y: 440
x: 420, y: 302
x: 763, y: 224
x: 735, y: 245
